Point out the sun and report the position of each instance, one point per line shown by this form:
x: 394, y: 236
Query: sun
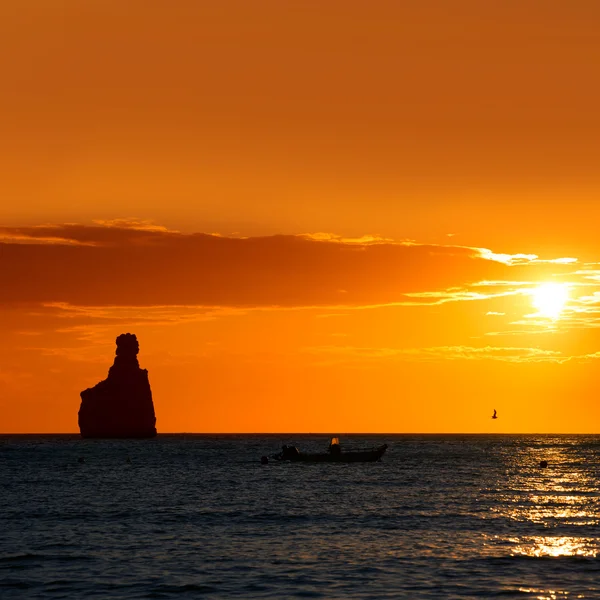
x: 550, y: 299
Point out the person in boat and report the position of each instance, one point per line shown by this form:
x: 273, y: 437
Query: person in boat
x: 334, y: 446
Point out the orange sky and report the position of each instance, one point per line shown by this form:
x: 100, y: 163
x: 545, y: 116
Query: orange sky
x: 312, y: 214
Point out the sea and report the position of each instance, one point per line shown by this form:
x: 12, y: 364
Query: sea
x: 199, y: 516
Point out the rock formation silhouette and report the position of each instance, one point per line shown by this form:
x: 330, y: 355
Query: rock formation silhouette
x: 121, y: 405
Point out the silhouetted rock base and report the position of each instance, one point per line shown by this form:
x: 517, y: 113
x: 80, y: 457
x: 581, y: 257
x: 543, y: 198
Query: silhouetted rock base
x: 120, y: 406
x: 127, y: 436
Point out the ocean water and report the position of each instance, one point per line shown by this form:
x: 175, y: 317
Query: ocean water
x: 198, y: 516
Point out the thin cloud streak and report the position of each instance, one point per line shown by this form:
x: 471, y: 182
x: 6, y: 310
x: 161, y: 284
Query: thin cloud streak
x: 437, y: 353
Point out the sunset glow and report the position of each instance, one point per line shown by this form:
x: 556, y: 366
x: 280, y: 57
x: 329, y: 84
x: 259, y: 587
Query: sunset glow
x: 322, y: 217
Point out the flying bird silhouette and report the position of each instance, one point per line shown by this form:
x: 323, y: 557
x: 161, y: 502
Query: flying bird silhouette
x: 494, y: 416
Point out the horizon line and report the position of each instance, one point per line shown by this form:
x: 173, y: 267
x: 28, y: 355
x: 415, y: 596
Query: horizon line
x: 329, y: 434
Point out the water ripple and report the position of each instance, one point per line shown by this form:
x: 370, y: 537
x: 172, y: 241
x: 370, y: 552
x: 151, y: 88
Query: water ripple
x: 199, y: 516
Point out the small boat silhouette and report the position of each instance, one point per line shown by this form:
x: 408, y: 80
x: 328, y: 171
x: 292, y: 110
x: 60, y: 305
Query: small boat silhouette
x: 333, y: 454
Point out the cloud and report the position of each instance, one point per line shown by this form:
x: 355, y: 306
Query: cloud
x: 137, y: 224
x: 126, y: 232
x: 454, y: 295
x: 137, y: 263
x: 437, y: 353
x: 508, y: 259
x: 523, y: 259
x: 332, y: 237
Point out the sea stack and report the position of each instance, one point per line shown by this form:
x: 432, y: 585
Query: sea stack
x: 121, y: 405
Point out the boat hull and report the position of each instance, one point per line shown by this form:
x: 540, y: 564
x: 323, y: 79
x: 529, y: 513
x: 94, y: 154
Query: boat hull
x: 342, y: 457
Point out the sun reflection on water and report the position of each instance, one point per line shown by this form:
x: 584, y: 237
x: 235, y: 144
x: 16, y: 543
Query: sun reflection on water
x: 555, y: 546
x: 548, y: 594
x: 578, y: 510
x: 563, y: 500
